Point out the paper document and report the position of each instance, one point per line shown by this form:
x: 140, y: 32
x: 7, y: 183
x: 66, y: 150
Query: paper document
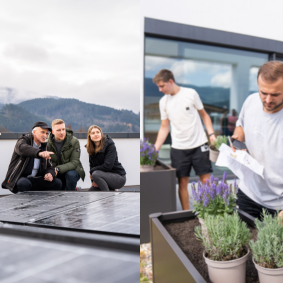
x: 227, y: 156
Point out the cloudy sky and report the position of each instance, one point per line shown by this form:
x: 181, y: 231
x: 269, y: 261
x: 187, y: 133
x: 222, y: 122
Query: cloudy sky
x: 83, y: 49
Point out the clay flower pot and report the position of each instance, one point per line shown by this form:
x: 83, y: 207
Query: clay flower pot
x: 233, y: 271
x: 213, y: 154
x: 268, y: 275
x: 146, y: 168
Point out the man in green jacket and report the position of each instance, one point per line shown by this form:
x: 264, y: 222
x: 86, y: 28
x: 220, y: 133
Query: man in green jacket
x: 66, y: 157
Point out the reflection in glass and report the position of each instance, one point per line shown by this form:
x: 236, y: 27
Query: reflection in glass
x: 222, y: 77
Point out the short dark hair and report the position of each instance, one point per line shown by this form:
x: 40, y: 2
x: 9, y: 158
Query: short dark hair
x: 271, y: 71
x: 163, y: 75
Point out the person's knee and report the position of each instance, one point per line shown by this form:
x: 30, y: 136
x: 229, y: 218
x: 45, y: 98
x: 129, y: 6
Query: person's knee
x: 96, y: 175
x: 72, y: 174
x: 23, y: 184
x: 57, y: 184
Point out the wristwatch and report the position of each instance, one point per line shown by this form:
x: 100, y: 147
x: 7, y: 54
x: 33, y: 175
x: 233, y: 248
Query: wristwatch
x: 57, y: 169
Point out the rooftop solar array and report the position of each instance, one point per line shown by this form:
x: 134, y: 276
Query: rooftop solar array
x: 76, y: 237
x: 117, y: 212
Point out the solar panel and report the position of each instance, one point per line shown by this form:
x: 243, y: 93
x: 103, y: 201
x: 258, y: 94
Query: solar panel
x: 115, y: 212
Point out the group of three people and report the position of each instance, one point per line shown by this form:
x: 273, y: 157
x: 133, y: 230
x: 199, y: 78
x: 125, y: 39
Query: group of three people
x: 39, y: 165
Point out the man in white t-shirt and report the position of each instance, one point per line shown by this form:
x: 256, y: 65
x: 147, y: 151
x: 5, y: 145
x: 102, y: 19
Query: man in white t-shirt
x: 181, y: 108
x: 260, y: 125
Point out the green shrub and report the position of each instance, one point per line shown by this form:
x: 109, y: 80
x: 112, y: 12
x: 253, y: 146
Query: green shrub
x: 227, y: 237
x: 220, y: 139
x: 268, y: 249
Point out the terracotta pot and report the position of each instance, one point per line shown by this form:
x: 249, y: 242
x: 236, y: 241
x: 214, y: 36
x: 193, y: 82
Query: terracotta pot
x: 213, y: 154
x: 269, y: 275
x: 233, y: 271
x: 146, y: 168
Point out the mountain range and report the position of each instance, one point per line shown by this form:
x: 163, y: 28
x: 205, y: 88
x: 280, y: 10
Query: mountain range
x: 78, y: 115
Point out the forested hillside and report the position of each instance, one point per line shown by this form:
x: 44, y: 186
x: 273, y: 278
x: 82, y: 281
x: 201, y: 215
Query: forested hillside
x: 14, y: 118
x: 76, y: 114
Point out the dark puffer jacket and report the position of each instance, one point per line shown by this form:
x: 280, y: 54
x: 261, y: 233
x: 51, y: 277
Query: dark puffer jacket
x: 22, y: 158
x: 70, y: 154
x: 106, y: 159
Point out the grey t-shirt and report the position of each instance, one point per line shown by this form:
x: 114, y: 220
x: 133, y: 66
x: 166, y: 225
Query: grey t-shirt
x: 36, y: 163
x: 59, y: 145
x: 264, y: 140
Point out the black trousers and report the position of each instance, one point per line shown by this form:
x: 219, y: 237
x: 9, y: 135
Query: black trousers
x: 37, y: 184
x: 251, y: 207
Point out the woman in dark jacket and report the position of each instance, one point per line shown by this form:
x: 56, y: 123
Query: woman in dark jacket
x: 106, y: 173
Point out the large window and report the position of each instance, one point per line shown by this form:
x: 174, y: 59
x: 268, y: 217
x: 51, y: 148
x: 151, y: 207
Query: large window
x: 222, y: 77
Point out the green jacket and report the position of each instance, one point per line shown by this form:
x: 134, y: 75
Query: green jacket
x: 70, y: 154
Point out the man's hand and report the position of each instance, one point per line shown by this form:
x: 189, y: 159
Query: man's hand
x: 48, y: 177
x: 94, y: 184
x: 212, y: 138
x: 45, y: 154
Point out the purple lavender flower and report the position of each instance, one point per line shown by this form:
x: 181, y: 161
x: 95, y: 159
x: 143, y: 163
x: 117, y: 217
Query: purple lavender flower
x: 211, y: 179
x: 205, y: 200
x: 218, y: 190
x: 224, y: 196
x: 195, y: 195
x: 224, y: 176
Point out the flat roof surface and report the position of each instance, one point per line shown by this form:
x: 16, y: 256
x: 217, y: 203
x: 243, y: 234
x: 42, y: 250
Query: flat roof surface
x: 32, y: 260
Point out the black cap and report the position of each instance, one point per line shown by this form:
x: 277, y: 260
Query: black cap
x: 42, y: 125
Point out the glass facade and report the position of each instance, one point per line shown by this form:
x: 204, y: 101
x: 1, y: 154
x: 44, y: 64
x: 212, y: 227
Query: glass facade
x: 223, y: 78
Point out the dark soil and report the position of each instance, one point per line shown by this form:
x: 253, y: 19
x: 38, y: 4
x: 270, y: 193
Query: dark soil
x: 184, y: 236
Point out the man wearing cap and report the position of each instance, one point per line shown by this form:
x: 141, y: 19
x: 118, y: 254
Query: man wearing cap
x: 30, y: 168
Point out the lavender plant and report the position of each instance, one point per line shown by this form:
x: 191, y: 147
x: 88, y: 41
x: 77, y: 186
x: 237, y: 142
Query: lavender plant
x: 214, y: 197
x: 228, y: 237
x: 148, y: 153
x: 268, y: 249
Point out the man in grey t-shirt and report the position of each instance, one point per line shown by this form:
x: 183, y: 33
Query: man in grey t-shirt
x: 260, y: 125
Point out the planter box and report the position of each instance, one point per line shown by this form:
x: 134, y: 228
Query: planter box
x: 169, y: 263
x: 158, y: 189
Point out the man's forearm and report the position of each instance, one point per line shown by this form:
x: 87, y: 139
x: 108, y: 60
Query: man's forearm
x: 161, y: 137
x: 208, y: 124
x: 239, y: 134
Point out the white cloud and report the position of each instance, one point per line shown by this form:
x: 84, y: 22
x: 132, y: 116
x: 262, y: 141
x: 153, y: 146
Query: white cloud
x: 68, y: 48
x: 222, y: 79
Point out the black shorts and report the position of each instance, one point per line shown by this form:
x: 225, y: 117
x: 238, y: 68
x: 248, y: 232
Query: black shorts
x: 184, y: 159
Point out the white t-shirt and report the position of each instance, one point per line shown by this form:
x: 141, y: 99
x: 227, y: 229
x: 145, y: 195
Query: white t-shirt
x: 264, y: 140
x: 181, y: 109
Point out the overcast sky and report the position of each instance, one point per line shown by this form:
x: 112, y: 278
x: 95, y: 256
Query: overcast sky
x: 83, y: 49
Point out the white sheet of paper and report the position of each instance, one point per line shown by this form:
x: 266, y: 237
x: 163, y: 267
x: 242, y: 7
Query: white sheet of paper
x: 227, y: 158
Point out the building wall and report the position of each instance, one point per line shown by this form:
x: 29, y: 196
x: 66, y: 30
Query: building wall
x: 128, y: 155
x: 254, y: 18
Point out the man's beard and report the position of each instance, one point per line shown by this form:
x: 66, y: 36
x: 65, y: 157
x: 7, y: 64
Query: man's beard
x: 275, y: 107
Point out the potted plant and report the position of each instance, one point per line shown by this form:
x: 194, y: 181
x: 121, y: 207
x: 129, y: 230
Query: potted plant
x: 214, y: 147
x: 268, y: 249
x: 214, y: 197
x: 226, y: 249
x: 148, y: 155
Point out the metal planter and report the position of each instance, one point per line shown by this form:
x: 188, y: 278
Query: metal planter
x: 158, y: 194
x: 169, y: 263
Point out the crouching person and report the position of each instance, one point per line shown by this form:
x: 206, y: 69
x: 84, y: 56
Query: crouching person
x: 106, y: 172
x: 66, y: 157
x: 30, y: 168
